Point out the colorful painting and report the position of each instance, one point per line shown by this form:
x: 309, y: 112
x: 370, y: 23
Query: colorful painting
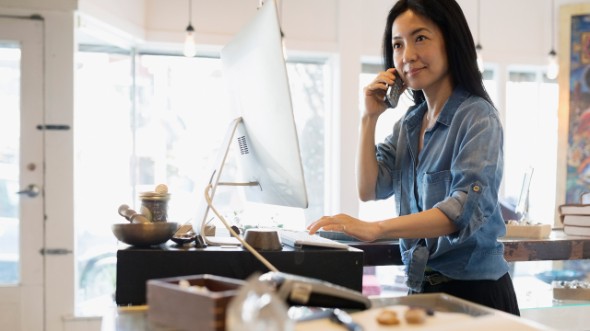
x: 578, y: 158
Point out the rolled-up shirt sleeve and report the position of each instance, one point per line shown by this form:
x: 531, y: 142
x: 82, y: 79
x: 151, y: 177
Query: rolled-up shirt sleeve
x: 476, y: 174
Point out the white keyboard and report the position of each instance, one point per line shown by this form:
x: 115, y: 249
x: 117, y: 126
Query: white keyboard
x: 299, y: 239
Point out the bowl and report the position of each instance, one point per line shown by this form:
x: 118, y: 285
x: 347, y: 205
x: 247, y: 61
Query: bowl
x: 263, y: 239
x: 144, y: 234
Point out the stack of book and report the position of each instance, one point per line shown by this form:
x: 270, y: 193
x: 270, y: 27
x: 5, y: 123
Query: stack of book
x: 575, y: 219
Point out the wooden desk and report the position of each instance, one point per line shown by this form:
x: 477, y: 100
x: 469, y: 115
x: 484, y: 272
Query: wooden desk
x: 557, y: 247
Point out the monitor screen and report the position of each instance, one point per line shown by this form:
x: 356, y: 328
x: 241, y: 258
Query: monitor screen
x: 258, y: 85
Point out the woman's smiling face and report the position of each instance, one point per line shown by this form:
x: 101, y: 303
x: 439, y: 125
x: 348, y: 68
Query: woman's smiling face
x: 419, y: 52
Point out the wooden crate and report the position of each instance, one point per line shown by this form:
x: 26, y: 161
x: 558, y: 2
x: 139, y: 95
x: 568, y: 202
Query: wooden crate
x: 188, y: 309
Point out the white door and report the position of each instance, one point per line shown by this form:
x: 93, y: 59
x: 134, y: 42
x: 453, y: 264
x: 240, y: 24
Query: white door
x: 21, y: 175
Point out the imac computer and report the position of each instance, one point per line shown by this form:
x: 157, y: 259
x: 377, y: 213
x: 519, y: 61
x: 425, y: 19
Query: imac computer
x: 267, y: 150
x: 264, y: 134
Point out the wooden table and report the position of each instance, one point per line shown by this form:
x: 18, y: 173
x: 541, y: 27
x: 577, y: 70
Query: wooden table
x: 557, y: 247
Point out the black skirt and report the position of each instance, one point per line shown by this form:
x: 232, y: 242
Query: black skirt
x: 498, y: 294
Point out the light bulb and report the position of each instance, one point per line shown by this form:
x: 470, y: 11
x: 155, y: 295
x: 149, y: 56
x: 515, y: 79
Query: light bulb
x: 479, y: 51
x: 190, y: 48
x: 552, y: 65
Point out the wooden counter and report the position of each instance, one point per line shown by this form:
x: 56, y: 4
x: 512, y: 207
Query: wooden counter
x: 557, y: 247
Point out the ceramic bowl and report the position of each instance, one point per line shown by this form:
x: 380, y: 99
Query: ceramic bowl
x: 263, y: 239
x: 144, y: 234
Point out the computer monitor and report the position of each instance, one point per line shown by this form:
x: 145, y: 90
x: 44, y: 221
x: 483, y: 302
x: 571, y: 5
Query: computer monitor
x: 265, y: 134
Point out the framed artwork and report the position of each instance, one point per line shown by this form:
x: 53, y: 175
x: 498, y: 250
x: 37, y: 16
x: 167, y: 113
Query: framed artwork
x: 574, y: 103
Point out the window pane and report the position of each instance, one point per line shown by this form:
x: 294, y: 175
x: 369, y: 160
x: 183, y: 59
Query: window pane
x: 9, y: 163
x: 377, y: 210
x: 103, y: 142
x: 184, y: 113
x: 531, y: 140
x: 308, y: 82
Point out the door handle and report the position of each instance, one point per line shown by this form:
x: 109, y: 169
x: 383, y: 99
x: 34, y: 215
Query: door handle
x: 31, y: 191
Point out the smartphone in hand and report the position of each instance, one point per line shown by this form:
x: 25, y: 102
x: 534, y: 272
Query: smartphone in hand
x: 394, y: 92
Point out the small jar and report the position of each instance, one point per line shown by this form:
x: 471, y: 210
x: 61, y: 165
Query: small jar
x: 154, y: 206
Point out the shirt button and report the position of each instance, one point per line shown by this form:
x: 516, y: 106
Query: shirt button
x: 476, y: 188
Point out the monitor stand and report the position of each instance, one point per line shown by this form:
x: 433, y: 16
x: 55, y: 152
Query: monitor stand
x: 204, y: 206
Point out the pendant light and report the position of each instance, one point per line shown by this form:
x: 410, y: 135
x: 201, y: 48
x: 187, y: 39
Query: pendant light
x: 552, y: 64
x: 478, y: 47
x: 190, y: 48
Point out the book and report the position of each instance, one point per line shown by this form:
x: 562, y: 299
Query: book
x: 572, y: 230
x: 577, y: 220
x: 575, y: 209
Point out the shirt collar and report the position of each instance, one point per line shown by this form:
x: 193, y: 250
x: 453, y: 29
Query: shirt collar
x: 416, y: 113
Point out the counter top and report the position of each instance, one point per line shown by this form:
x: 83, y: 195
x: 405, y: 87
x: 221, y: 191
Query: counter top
x: 558, y: 246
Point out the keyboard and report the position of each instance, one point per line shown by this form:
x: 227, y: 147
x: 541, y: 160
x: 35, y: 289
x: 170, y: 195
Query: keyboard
x: 298, y: 239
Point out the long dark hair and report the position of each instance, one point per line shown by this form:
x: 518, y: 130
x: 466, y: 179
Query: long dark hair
x: 459, y: 44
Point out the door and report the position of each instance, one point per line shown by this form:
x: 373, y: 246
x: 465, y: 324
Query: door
x: 21, y: 175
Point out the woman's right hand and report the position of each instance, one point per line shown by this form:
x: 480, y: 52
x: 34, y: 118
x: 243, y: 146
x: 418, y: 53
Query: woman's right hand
x: 375, y: 92
x: 365, y: 231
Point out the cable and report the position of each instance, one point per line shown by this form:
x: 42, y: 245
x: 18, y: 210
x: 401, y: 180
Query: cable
x: 234, y: 234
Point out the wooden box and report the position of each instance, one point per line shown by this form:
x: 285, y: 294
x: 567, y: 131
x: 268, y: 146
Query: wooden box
x: 191, y: 309
x: 534, y: 231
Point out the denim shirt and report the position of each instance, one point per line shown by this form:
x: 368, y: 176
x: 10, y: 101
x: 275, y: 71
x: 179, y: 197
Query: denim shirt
x: 458, y: 171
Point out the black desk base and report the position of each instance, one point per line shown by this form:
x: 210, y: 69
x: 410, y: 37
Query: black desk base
x: 137, y: 265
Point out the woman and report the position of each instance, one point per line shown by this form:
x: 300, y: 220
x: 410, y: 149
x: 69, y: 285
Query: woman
x: 443, y: 161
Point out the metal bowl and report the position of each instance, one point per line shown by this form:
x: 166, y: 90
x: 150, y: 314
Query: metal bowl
x: 144, y: 234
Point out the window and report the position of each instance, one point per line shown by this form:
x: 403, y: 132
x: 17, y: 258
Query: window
x: 10, y: 80
x: 147, y: 119
x: 531, y: 140
x: 381, y: 209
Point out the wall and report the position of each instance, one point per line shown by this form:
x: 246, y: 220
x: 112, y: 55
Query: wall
x: 517, y: 31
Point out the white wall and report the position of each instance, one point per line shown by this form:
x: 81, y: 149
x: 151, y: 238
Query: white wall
x: 518, y: 31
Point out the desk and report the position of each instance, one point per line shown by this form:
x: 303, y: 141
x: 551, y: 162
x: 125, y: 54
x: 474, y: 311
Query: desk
x: 557, y: 247
x: 136, y: 265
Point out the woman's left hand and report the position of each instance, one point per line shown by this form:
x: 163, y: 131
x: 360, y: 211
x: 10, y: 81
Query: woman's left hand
x: 365, y: 231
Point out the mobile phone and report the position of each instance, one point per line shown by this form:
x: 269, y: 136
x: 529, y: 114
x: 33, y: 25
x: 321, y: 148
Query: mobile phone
x: 394, y: 91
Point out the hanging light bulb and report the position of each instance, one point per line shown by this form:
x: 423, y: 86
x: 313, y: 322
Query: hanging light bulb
x: 552, y: 65
x: 552, y: 61
x: 190, y: 48
x: 479, y: 51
